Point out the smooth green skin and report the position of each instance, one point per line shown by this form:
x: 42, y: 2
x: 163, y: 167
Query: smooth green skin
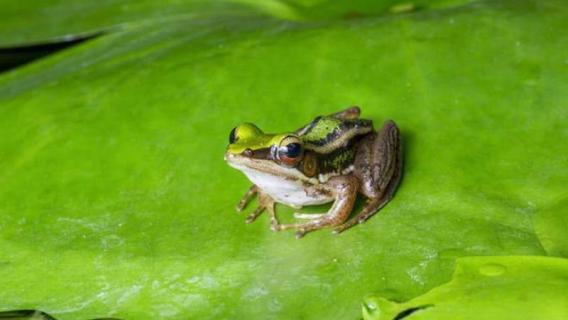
x: 551, y: 226
x: 115, y: 199
x: 488, y: 288
x: 251, y: 137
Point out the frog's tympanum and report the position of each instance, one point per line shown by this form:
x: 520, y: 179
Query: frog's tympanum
x: 333, y: 158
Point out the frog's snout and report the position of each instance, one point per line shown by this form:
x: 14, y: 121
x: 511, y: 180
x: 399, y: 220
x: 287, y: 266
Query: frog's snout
x: 228, y: 156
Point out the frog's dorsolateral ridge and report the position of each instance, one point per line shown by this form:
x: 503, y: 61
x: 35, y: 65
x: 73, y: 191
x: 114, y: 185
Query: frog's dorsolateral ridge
x: 333, y: 158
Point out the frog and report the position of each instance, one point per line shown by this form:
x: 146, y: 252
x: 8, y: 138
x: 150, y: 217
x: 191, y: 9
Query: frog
x: 332, y: 159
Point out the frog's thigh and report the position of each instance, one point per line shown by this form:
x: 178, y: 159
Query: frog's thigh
x: 344, y: 189
x: 378, y: 161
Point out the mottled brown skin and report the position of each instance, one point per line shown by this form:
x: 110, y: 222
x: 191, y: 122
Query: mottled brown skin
x: 378, y: 168
x: 377, y: 173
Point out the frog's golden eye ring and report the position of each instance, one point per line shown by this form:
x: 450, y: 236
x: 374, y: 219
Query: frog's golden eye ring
x: 290, y: 151
x: 233, y: 136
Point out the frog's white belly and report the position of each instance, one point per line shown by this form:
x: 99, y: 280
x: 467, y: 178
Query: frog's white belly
x: 285, y: 191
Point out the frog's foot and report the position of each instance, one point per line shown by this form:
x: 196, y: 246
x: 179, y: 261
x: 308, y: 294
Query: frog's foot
x: 308, y: 216
x: 247, y: 198
x: 314, y: 224
x: 303, y: 228
x: 345, y: 191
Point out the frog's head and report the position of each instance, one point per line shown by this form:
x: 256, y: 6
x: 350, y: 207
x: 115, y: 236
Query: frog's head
x: 283, y: 155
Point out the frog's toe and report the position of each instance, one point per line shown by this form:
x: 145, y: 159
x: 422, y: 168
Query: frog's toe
x: 363, y: 219
x: 275, y: 227
x: 300, y: 233
x: 339, y: 229
x: 251, y: 217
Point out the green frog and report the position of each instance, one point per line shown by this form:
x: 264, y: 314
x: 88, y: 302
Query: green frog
x: 331, y: 159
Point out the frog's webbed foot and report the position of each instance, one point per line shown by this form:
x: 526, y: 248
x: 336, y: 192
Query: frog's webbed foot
x: 344, y: 188
x: 265, y: 203
x: 381, y: 179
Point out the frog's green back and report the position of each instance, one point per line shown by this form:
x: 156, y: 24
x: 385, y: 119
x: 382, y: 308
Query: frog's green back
x: 326, y: 134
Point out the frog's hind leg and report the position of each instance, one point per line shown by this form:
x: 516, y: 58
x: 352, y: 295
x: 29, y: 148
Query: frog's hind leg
x: 344, y: 189
x: 378, y: 166
x: 350, y: 113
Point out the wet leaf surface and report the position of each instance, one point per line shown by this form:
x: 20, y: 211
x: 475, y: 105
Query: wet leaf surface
x: 115, y: 199
x: 487, y: 288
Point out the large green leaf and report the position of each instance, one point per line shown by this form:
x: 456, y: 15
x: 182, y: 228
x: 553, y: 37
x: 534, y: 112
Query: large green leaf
x: 115, y: 199
x: 488, y: 288
x: 551, y: 224
x: 25, y: 22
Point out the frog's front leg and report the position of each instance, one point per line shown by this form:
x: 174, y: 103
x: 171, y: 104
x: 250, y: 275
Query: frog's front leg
x: 344, y: 190
x: 247, y: 198
x: 265, y: 202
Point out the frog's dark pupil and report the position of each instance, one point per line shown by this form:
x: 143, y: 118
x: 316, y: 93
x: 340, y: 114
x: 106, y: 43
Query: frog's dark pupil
x: 232, y: 136
x: 293, y: 150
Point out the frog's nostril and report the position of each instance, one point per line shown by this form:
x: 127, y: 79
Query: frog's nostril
x: 247, y: 152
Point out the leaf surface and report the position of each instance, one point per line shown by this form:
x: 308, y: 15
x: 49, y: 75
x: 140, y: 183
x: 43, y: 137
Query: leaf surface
x: 115, y: 199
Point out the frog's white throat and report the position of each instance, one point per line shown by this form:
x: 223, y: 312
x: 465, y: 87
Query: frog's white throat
x: 284, y: 185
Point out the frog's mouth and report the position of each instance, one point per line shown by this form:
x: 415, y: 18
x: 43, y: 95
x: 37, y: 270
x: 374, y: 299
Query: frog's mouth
x: 246, y: 164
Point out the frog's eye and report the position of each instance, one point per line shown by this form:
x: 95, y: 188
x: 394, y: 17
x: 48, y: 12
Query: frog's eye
x: 233, y: 136
x: 290, y: 151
